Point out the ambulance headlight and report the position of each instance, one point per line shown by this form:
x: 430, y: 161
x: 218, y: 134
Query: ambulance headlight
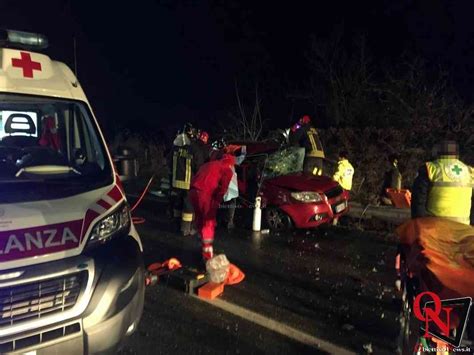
x: 110, y: 226
x: 23, y: 39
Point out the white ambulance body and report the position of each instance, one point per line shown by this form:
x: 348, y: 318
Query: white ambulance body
x: 71, y: 267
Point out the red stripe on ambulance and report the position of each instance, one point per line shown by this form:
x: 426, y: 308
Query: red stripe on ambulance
x: 104, y: 204
x: 115, y: 194
x: 90, y: 216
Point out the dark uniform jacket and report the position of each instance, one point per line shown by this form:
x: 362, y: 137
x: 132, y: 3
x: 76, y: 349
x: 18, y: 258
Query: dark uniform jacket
x: 307, y: 137
x: 200, y: 152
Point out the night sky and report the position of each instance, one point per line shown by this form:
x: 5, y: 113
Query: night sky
x: 158, y: 64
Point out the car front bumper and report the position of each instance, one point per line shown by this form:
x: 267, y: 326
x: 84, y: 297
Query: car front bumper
x: 110, y: 304
x: 311, y: 215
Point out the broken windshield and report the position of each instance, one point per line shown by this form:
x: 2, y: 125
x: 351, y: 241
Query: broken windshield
x: 284, y: 162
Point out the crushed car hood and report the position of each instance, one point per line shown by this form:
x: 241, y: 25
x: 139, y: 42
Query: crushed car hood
x: 303, y: 182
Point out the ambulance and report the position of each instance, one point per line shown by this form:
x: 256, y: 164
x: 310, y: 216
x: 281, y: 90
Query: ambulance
x: 71, y: 266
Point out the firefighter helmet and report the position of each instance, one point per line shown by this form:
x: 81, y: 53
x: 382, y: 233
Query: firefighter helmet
x: 219, y: 144
x: 188, y: 129
x: 305, y: 120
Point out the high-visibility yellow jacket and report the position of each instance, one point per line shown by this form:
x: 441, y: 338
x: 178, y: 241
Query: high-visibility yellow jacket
x: 344, y: 174
x: 451, y: 189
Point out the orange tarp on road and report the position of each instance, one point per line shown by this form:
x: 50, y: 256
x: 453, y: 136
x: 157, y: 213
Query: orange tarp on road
x: 444, y: 247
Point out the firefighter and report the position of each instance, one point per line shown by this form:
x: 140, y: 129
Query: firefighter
x: 204, y: 139
x: 208, y: 188
x: 181, y: 174
x: 303, y: 134
x: 344, y: 171
x: 443, y: 187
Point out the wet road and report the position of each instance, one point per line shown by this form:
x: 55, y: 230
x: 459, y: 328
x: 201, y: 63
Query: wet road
x: 305, y: 292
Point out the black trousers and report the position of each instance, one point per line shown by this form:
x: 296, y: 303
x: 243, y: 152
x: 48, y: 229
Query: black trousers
x: 182, y: 208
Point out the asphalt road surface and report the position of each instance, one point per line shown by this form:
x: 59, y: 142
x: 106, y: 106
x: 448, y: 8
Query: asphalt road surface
x: 307, y: 292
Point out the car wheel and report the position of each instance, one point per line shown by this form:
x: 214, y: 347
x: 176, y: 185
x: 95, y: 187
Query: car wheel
x: 278, y: 220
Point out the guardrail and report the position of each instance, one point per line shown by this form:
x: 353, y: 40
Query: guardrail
x: 385, y: 213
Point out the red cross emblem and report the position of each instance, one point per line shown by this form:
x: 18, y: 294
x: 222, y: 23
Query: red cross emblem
x: 26, y: 64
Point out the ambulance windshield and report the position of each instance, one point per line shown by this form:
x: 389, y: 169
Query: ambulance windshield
x: 49, y: 142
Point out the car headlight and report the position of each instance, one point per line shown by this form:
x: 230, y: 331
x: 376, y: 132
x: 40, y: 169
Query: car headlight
x: 306, y: 196
x: 117, y: 221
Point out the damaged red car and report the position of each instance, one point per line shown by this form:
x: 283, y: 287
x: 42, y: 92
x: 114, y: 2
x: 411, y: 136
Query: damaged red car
x: 290, y: 198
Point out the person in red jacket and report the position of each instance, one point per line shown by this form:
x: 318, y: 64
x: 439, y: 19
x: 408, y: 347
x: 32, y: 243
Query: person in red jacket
x: 50, y: 136
x: 208, y: 188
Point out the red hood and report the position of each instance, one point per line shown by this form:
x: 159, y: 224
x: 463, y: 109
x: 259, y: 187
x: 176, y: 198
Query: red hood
x: 304, y: 182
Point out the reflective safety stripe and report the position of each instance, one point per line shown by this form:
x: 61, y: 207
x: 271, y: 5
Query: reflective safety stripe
x: 187, y: 217
x: 181, y: 185
x: 316, y: 147
x: 312, y: 142
x: 317, y: 171
x: 451, y: 184
x: 208, y: 249
x: 177, y: 181
x: 207, y: 241
x: 188, y: 172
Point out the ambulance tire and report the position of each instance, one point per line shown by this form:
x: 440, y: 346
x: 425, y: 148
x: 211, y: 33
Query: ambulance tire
x: 277, y: 220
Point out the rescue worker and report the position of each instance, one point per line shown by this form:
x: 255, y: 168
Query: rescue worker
x: 208, y: 188
x: 230, y: 198
x: 201, y: 149
x: 204, y: 137
x: 181, y: 174
x: 443, y: 187
x: 49, y: 135
x: 303, y: 134
x: 392, y: 180
x: 344, y: 171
